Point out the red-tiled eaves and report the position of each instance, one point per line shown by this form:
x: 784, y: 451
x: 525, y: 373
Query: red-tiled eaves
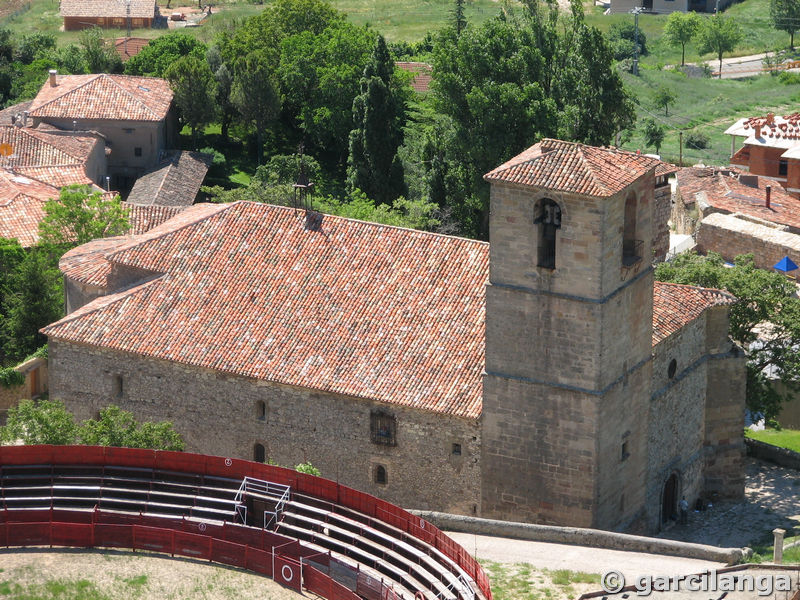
x: 575, y: 168
x: 676, y: 305
x: 357, y: 309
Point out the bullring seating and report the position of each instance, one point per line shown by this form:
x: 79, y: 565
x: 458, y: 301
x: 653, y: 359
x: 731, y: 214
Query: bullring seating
x: 361, y: 549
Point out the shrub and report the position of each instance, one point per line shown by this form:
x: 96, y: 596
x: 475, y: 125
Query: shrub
x: 697, y: 140
x: 11, y: 378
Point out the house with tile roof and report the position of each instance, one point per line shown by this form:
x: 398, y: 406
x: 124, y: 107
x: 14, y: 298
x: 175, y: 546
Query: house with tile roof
x: 770, y: 148
x: 128, y: 47
x: 174, y: 181
x: 543, y: 377
x: 422, y: 74
x: 116, y: 14
x: 134, y: 114
x: 733, y: 212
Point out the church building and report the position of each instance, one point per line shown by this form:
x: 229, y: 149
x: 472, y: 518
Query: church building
x: 542, y: 377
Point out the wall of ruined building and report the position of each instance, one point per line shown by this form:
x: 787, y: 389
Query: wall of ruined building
x: 731, y: 236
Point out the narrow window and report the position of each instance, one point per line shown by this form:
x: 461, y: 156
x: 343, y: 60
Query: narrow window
x: 783, y: 167
x: 117, y: 386
x: 259, y: 454
x: 625, y: 454
x: 673, y: 366
x: 456, y: 450
x: 137, y: 151
x: 631, y: 247
x: 549, y: 221
x: 381, y: 478
x: 261, y: 410
x: 383, y: 428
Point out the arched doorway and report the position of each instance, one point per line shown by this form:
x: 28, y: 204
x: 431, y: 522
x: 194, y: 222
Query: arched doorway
x: 669, y: 498
x: 259, y: 453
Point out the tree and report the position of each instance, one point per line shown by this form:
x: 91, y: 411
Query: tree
x: 515, y: 79
x: 764, y: 320
x: 81, y: 215
x: 255, y: 93
x: 33, y: 45
x: 653, y: 134
x: 785, y: 16
x: 459, y: 19
x: 378, y: 114
x: 42, y: 422
x: 194, y: 87
x: 117, y: 427
x: 99, y: 55
x: 157, y: 56
x: 49, y: 422
x: 622, y: 38
x: 680, y: 29
x: 719, y: 34
x: 37, y: 300
x: 223, y: 79
x: 663, y: 97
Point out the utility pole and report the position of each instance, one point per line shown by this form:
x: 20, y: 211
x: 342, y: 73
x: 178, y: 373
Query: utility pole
x: 636, y: 11
x: 680, y: 148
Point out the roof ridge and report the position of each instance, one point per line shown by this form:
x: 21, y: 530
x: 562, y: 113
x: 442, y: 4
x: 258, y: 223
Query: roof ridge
x: 700, y: 288
x: 144, y: 237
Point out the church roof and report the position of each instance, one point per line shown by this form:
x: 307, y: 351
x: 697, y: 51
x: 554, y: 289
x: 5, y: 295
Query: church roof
x: 675, y: 305
x: 358, y: 309
x: 103, y: 96
x: 574, y: 168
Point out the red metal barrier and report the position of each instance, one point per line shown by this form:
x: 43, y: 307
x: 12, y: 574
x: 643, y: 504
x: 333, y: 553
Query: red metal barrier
x: 237, y: 469
x: 324, y: 586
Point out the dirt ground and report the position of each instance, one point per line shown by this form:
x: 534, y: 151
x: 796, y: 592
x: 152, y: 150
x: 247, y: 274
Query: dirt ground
x: 126, y: 575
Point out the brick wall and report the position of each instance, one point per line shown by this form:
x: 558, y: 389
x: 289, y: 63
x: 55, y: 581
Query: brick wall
x: 731, y: 236
x: 218, y: 414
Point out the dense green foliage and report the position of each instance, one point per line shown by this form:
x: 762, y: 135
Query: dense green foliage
x: 49, y: 422
x: 765, y: 320
x: 80, y: 215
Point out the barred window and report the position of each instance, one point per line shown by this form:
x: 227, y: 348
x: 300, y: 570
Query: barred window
x: 383, y: 428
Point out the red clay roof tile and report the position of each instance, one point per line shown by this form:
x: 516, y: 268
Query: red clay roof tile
x: 676, y: 305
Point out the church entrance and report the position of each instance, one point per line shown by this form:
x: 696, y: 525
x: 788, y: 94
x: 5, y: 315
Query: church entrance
x: 669, y: 499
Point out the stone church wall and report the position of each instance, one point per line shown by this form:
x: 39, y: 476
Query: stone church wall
x: 218, y: 414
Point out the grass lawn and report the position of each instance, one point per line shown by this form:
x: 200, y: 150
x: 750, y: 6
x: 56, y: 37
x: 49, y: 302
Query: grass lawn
x: 785, y: 438
x: 706, y: 105
x: 522, y: 581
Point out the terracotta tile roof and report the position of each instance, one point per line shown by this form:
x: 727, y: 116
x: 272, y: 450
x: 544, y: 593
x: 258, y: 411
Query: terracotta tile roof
x: 56, y: 176
x: 769, y: 130
x: 34, y: 148
x: 357, y: 308
x: 108, y: 8
x: 145, y: 218
x: 675, y: 306
x: 723, y: 190
x: 174, y: 181
x: 13, y: 111
x: 422, y: 74
x: 129, y: 47
x: 103, y: 96
x: 22, y: 203
x: 574, y: 168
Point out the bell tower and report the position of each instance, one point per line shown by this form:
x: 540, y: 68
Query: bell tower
x: 569, y: 309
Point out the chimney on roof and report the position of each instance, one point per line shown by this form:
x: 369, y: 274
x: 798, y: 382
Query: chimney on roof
x: 769, y: 193
x: 53, y: 74
x: 770, y: 119
x: 758, y: 130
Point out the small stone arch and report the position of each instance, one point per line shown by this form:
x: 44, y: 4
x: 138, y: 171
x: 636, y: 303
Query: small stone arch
x: 670, y: 494
x: 259, y: 453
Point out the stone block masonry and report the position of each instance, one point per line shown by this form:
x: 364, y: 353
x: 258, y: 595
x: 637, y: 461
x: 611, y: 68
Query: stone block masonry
x: 435, y: 463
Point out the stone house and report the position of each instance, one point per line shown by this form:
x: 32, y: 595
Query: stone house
x: 543, y: 377
x: 81, y: 14
x: 135, y: 115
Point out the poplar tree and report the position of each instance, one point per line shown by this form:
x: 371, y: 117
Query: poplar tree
x: 378, y: 113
